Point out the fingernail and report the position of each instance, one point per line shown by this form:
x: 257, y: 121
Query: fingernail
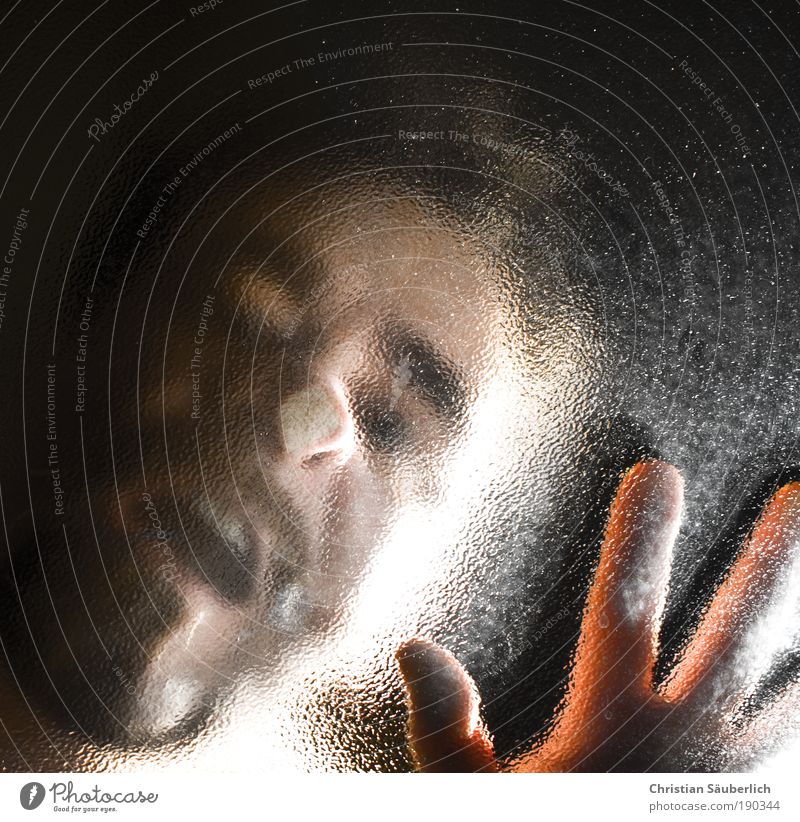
x: 440, y: 691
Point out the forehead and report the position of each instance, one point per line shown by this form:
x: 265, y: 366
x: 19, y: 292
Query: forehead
x: 356, y: 250
x: 360, y: 217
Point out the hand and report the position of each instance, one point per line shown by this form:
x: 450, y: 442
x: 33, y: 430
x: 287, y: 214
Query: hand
x: 613, y: 716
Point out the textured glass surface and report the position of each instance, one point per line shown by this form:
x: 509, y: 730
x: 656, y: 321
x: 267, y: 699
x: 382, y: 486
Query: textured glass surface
x: 317, y: 348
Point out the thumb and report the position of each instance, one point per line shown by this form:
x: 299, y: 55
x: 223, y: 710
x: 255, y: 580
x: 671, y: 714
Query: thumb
x: 444, y: 727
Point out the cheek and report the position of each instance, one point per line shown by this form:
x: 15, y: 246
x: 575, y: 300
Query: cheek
x: 511, y: 459
x: 445, y: 503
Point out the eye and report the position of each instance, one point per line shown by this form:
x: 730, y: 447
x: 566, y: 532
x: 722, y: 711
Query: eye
x: 382, y: 429
x: 430, y: 375
x: 399, y: 400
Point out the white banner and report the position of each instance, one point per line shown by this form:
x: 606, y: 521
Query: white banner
x: 354, y: 797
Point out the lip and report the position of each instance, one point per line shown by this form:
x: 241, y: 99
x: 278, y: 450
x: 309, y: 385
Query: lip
x: 221, y: 553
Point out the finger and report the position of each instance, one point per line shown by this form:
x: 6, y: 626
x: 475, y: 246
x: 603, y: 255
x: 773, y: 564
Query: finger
x: 444, y: 727
x: 617, y: 646
x: 770, y: 727
x: 749, y: 615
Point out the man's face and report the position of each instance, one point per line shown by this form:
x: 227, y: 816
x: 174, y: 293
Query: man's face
x: 305, y: 412
x: 338, y: 439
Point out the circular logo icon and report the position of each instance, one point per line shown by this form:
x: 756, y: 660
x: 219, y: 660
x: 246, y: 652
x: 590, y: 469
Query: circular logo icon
x: 31, y: 795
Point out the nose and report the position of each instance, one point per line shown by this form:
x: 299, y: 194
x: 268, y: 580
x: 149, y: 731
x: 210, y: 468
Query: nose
x: 317, y: 424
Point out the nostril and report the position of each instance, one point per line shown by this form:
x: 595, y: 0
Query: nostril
x: 316, y: 422
x: 315, y: 458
